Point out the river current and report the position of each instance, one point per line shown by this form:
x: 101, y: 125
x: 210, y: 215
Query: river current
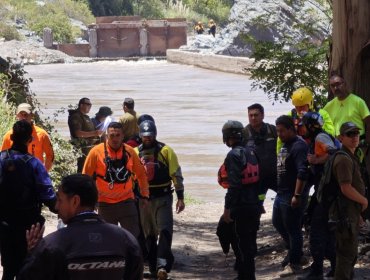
x: 189, y: 105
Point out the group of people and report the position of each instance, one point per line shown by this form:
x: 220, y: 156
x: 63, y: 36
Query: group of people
x: 129, y: 176
x: 123, y: 171
x: 199, y: 28
x: 322, y: 149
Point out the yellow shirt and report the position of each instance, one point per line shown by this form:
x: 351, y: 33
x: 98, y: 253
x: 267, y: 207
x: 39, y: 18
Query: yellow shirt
x: 353, y: 109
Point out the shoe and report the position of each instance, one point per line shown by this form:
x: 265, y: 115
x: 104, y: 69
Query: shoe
x: 311, y: 275
x: 291, y: 269
x: 162, y: 274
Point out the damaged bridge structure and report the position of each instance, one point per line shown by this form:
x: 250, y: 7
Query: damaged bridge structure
x: 126, y: 36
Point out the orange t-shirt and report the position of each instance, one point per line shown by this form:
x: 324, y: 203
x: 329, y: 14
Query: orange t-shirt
x: 116, y: 191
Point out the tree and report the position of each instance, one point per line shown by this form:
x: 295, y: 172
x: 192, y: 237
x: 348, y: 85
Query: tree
x: 350, y: 52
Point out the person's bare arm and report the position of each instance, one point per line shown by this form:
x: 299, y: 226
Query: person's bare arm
x: 352, y: 194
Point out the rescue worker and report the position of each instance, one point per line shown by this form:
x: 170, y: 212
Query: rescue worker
x: 88, y: 248
x: 242, y: 203
x: 113, y: 164
x: 129, y: 119
x: 322, y: 239
x: 83, y: 133
x: 261, y: 137
x: 212, y: 27
x: 291, y: 197
x: 40, y: 145
x: 302, y: 99
x: 350, y: 203
x: 199, y: 29
x: 25, y: 185
x: 162, y: 169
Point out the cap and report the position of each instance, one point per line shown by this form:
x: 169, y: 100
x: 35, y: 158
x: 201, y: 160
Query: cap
x: 128, y: 100
x: 24, y: 107
x: 104, y: 111
x: 347, y: 127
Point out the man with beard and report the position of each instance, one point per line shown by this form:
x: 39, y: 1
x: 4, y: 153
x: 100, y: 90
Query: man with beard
x: 162, y: 169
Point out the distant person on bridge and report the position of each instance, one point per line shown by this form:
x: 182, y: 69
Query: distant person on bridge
x: 40, y: 146
x: 212, y: 28
x: 83, y: 133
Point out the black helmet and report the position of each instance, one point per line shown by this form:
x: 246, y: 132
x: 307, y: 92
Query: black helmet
x: 104, y: 111
x: 232, y: 129
x: 145, y: 117
x: 312, y: 120
x: 147, y: 128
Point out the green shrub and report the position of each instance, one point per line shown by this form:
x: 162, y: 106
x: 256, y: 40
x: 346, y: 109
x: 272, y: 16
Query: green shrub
x: 58, y: 23
x: 150, y: 9
x: 217, y: 10
x: 9, y: 32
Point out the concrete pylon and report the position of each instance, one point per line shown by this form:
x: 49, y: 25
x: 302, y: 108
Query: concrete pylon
x: 48, y: 38
x: 143, y: 42
x: 93, y: 41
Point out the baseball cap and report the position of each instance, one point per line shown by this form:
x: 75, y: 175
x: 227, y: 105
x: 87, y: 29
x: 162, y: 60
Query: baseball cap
x: 24, y: 107
x: 128, y: 100
x: 348, y: 127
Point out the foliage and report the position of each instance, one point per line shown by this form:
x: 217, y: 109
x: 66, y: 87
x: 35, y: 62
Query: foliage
x: 150, y: 9
x: 111, y: 7
x: 58, y: 23
x: 54, y: 14
x: 217, y: 10
x: 9, y: 32
x: 6, y: 109
x: 177, y: 9
x: 15, y: 89
x: 279, y: 69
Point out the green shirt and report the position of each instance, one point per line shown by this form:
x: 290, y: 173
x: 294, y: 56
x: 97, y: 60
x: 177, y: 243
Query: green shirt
x: 352, y: 108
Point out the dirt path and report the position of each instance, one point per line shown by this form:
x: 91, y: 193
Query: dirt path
x: 198, y: 253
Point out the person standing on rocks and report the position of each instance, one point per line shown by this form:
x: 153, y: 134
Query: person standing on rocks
x: 242, y: 200
x: 83, y: 133
x: 212, y: 28
x: 40, y: 146
x: 162, y: 169
x: 261, y: 137
x: 24, y: 186
x: 291, y: 197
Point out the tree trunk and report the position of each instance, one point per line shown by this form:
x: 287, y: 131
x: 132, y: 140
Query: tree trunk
x: 350, y: 54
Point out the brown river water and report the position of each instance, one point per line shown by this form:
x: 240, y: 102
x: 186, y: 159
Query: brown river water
x: 189, y: 105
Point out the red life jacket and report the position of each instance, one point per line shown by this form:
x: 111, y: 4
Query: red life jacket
x: 250, y: 173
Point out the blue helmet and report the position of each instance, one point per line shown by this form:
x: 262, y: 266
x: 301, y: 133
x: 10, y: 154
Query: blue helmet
x: 145, y: 117
x: 312, y: 120
x: 147, y: 128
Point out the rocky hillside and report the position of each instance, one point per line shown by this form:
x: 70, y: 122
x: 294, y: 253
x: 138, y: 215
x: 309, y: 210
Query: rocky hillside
x: 266, y: 20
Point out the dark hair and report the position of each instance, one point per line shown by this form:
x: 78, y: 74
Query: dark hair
x: 82, y: 185
x: 257, y: 106
x: 286, y: 121
x: 129, y: 105
x: 117, y: 125
x: 82, y: 100
x: 335, y: 74
x: 22, y: 132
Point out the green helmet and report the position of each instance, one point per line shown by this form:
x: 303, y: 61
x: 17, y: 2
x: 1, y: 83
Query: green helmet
x: 232, y: 129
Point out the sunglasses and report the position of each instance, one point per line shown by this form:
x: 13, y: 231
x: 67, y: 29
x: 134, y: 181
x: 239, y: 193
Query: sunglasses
x: 352, y: 134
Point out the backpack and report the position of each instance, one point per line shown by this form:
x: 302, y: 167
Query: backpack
x: 329, y: 189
